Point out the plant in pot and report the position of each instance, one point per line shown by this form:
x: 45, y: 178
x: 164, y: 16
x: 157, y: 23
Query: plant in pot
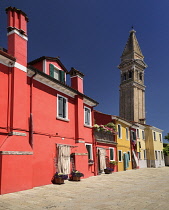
x: 90, y: 162
x: 113, y: 162
x: 108, y: 170
x: 60, y: 177
x: 76, y: 175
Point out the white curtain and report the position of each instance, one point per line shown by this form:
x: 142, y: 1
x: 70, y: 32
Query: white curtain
x: 64, y: 159
x: 102, y: 154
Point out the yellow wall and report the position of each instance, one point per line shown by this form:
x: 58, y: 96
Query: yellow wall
x: 123, y: 144
x: 151, y: 144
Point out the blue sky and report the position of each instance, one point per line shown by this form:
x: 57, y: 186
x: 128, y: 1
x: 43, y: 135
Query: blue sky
x: 90, y: 35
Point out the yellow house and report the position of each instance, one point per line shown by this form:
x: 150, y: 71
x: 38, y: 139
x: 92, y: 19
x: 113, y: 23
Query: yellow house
x: 154, y: 146
x: 141, y: 145
x: 123, y: 143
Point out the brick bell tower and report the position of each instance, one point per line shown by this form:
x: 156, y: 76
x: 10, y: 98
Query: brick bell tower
x: 132, y: 88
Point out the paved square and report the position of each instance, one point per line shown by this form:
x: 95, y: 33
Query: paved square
x: 134, y: 189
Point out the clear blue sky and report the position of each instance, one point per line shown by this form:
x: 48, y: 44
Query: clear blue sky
x: 90, y: 35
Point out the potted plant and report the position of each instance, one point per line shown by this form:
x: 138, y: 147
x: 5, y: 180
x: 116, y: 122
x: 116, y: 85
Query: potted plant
x: 90, y: 162
x: 75, y: 175
x: 108, y: 170
x: 60, y: 177
x: 113, y: 162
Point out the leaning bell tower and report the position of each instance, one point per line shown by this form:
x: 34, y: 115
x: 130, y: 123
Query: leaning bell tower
x: 132, y: 88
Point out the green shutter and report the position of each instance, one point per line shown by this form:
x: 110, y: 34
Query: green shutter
x: 62, y: 76
x: 51, y: 66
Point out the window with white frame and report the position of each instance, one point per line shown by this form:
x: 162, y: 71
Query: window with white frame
x: 89, y: 150
x: 120, y: 155
x: 145, y: 155
x: 111, y: 153
x: 160, y: 137
x: 156, y: 155
x: 119, y: 131
x: 137, y: 131
x: 162, y: 156
x: 127, y: 133
x: 143, y: 134
x: 133, y: 135
x: 154, y: 135
x: 129, y: 155
x: 87, y: 116
x: 62, y: 107
x: 139, y: 155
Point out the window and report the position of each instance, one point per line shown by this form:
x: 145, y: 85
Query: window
x: 140, y: 76
x: 138, y: 136
x: 160, y: 137
x: 127, y: 133
x: 87, y: 116
x: 129, y: 155
x: 89, y: 150
x: 145, y: 155
x: 57, y: 73
x: 143, y: 135
x: 124, y: 76
x: 154, y: 135
x: 133, y: 135
x: 62, y: 107
x: 139, y: 155
x: 119, y: 131
x: 162, y: 156
x: 120, y: 155
x: 111, y: 153
x: 156, y: 156
x: 130, y: 74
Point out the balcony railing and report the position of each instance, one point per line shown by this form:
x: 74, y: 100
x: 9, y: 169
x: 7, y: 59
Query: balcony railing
x: 104, y: 136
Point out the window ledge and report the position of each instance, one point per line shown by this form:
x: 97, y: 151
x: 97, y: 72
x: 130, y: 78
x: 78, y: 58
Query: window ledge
x: 63, y: 119
x: 88, y: 126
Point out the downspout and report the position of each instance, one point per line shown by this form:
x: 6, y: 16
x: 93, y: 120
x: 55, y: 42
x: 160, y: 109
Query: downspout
x: 9, y: 117
x: 31, y: 114
x: 94, y: 148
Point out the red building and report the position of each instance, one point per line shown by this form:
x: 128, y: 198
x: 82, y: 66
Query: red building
x: 45, y: 125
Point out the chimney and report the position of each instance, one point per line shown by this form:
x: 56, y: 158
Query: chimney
x: 17, y: 34
x: 76, y: 79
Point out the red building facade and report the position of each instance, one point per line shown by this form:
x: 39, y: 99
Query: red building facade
x: 45, y: 125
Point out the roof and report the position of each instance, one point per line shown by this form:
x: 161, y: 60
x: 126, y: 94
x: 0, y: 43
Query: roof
x: 5, y: 54
x: 62, y: 85
x: 132, y: 49
x: 49, y: 58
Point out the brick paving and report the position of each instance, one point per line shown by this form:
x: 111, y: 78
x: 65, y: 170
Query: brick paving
x: 134, y: 189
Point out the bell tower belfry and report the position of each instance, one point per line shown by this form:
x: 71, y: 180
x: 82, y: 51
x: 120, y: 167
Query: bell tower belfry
x: 132, y: 88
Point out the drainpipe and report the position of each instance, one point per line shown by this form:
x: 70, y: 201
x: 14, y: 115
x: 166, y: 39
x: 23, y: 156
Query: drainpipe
x: 31, y: 114
x: 9, y: 109
x: 94, y: 148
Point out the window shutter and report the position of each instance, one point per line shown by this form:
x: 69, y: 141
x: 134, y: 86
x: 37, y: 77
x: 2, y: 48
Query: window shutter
x: 111, y: 154
x: 60, y: 107
x: 62, y: 76
x: 64, y: 108
x: 51, y: 67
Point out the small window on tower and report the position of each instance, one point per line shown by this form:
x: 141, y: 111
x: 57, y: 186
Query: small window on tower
x: 130, y: 74
x: 124, y: 76
x: 141, y: 76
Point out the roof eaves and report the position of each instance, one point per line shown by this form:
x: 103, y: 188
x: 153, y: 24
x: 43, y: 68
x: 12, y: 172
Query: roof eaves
x: 7, y: 55
x: 62, y: 84
x: 49, y: 58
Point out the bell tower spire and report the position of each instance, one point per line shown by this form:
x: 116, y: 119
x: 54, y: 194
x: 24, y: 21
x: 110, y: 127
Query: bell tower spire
x: 132, y: 88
